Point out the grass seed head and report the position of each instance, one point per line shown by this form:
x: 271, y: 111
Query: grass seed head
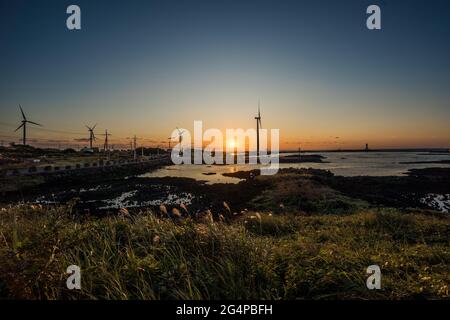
x: 176, y: 212
x: 226, y: 206
x: 209, y: 216
x: 163, y: 209
x: 124, y: 212
x: 183, y: 206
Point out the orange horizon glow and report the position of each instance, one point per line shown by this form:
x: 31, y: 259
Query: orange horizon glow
x: 308, y: 127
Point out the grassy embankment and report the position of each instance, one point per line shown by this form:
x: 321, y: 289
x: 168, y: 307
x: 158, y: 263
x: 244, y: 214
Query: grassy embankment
x: 320, y: 251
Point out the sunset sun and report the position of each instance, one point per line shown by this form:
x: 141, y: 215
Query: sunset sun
x: 231, y: 144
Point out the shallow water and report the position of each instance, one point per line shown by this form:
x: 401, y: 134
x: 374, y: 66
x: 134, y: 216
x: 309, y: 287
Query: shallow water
x: 135, y: 194
x: 373, y: 163
x: 209, y: 174
x: 339, y: 163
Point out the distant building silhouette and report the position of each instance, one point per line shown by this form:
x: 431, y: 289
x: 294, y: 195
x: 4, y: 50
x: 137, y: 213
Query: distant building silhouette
x: 367, y: 147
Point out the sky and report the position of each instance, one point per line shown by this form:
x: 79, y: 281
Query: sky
x: 145, y: 67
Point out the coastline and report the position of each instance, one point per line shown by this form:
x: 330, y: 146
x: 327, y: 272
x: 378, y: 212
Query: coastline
x: 106, y: 192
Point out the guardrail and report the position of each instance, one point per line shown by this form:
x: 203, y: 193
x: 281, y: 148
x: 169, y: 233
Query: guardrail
x: 80, y: 166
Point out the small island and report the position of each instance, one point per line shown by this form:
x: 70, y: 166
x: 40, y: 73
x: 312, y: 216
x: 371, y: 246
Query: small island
x: 307, y: 158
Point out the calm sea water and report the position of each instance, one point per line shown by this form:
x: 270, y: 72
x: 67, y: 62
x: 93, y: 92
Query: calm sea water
x: 340, y: 163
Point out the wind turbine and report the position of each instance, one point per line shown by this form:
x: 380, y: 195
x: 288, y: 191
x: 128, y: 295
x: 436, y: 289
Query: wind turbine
x: 258, y: 126
x: 180, y: 138
x: 180, y: 134
x: 24, y: 126
x: 91, y: 135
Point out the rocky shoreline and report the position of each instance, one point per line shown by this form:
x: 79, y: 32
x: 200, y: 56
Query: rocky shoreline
x: 105, y: 193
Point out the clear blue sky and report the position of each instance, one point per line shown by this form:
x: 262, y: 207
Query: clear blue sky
x: 144, y: 67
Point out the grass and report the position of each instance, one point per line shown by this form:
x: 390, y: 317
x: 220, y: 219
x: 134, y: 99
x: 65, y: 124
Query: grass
x: 260, y: 255
x: 303, y: 190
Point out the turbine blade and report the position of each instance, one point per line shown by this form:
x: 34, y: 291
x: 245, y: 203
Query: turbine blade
x: 94, y: 126
x: 259, y: 113
x: 35, y: 123
x: 23, y: 114
x: 19, y: 127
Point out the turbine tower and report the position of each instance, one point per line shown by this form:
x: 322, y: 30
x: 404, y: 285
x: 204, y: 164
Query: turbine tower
x: 91, y: 135
x: 258, y: 126
x: 24, y: 126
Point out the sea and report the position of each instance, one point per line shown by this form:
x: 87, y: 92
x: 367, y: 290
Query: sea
x: 339, y: 163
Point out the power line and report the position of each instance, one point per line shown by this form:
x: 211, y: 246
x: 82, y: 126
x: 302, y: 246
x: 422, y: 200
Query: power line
x: 119, y: 141
x: 43, y: 129
x: 60, y: 131
x: 7, y: 124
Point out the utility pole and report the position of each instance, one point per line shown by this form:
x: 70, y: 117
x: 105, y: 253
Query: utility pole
x: 105, y: 146
x: 134, y: 149
x: 106, y: 143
